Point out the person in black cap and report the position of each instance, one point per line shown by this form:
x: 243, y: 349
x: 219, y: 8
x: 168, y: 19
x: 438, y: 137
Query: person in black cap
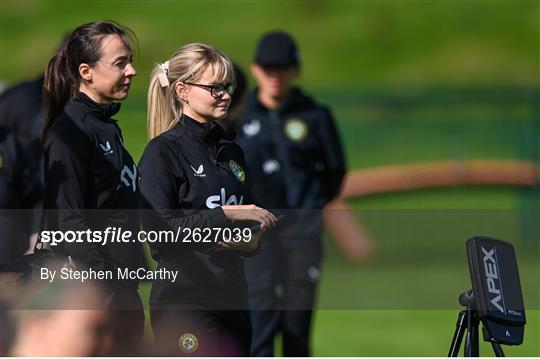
x: 295, y: 160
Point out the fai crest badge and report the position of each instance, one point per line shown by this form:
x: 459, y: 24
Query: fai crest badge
x: 296, y: 129
x: 237, y: 170
x: 188, y: 343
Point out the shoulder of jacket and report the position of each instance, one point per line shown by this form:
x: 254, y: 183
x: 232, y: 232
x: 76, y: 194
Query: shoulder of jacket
x: 166, y: 143
x: 17, y: 92
x: 323, y: 110
x: 70, y: 126
x: 163, y: 151
x: 235, y: 148
x: 319, y: 110
x: 174, y: 135
x: 306, y: 100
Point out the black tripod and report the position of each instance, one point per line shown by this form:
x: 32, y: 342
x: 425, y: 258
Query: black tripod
x: 468, y: 320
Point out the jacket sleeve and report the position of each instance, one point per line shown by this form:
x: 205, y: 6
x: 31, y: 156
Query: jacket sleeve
x: 162, y: 207
x: 32, y: 183
x: 239, y: 156
x: 67, y: 165
x: 12, y: 220
x: 248, y: 200
x: 334, y: 159
x: 10, y: 173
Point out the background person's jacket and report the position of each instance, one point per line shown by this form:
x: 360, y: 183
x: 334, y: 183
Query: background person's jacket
x: 91, y: 182
x: 295, y: 161
x: 21, y: 195
x: 21, y: 166
x: 187, y: 174
x: 22, y: 110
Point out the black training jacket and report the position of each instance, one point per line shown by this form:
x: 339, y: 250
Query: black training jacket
x: 21, y: 194
x: 21, y: 166
x: 187, y: 174
x: 294, y: 159
x: 91, y: 182
x: 22, y: 110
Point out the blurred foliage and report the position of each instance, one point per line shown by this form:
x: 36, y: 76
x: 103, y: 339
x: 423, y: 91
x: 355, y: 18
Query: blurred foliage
x: 343, y: 43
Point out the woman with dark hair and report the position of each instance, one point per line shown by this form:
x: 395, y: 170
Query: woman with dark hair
x: 90, y: 178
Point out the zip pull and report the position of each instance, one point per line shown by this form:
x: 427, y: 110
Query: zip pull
x: 212, y: 154
x: 117, y: 132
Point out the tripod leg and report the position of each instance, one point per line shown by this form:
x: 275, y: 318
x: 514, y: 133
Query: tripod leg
x: 497, y: 349
x: 475, y: 345
x: 472, y: 348
x: 458, y: 334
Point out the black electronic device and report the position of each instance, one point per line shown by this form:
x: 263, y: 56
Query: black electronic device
x: 496, y: 299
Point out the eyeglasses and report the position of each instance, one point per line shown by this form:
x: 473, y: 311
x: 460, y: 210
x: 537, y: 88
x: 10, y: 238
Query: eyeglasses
x: 216, y: 90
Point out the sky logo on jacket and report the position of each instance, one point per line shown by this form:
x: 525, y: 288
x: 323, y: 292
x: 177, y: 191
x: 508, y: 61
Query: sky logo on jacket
x: 199, y: 172
x: 128, y: 176
x: 222, y: 200
x: 106, y: 148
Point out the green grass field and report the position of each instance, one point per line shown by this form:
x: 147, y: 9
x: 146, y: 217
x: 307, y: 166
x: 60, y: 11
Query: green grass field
x: 397, y: 76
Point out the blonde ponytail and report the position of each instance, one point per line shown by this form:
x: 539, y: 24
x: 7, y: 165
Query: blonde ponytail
x: 163, y: 107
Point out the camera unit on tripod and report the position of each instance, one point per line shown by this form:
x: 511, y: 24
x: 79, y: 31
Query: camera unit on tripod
x: 495, y: 300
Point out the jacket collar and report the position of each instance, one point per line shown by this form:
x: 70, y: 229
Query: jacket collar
x: 206, y: 132
x: 103, y: 111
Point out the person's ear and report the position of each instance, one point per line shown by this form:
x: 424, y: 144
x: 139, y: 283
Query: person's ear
x: 85, y: 71
x: 255, y: 69
x: 180, y: 90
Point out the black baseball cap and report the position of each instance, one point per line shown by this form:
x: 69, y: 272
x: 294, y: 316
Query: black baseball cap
x: 277, y: 48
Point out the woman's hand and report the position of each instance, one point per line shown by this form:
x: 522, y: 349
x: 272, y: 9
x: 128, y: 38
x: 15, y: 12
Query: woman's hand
x: 250, y: 212
x: 242, y: 243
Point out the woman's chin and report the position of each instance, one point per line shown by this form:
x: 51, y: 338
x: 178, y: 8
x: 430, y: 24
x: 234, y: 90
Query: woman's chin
x: 220, y: 113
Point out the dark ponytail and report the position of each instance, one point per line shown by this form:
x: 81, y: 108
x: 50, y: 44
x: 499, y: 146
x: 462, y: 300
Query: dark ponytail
x: 83, y: 45
x: 59, y: 87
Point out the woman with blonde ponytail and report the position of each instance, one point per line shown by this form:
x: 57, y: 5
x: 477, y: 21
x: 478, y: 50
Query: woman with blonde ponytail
x: 192, y: 179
